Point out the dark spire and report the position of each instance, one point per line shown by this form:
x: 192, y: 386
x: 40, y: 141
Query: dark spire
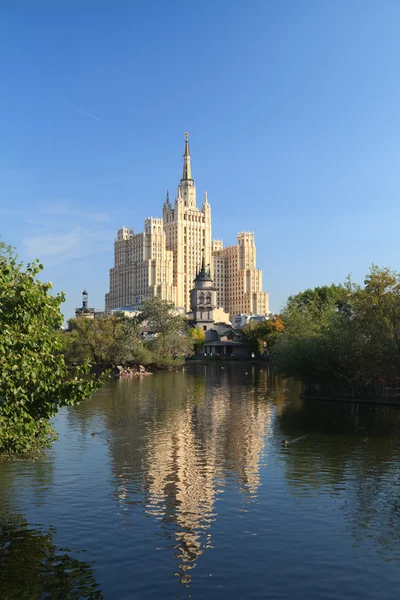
x: 204, y: 274
x: 187, y: 173
x: 203, y: 262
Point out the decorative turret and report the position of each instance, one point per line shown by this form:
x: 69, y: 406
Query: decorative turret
x: 167, y: 203
x: 206, y: 208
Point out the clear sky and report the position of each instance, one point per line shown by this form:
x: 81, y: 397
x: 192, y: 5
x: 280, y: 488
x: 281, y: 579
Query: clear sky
x: 293, y: 110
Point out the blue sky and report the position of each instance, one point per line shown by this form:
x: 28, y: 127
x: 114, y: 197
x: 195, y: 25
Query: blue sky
x: 293, y: 110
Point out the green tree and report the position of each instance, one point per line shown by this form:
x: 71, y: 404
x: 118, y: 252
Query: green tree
x: 169, y: 327
x: 128, y: 347
x: 34, y: 378
x: 352, y: 337
x: 93, y: 338
x: 262, y: 335
x: 315, y: 300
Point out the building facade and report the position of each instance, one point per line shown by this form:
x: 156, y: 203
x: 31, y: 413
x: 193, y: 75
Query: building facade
x: 143, y: 267
x: 237, y: 278
x: 165, y: 259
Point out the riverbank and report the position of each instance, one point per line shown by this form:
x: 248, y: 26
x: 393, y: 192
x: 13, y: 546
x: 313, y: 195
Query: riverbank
x: 349, y: 399
x: 370, y: 393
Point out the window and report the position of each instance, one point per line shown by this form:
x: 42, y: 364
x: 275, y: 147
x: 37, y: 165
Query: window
x: 204, y: 327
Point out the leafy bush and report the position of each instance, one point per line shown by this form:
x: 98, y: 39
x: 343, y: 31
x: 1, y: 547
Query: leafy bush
x: 34, y: 378
x: 348, y: 333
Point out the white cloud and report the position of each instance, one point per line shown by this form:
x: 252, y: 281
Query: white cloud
x: 54, y: 213
x: 54, y: 248
x: 65, y: 209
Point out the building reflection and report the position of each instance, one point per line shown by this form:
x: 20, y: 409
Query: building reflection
x: 193, y: 434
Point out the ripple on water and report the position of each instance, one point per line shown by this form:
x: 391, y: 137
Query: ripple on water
x: 186, y: 490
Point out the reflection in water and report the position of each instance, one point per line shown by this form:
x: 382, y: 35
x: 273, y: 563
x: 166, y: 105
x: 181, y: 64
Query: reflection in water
x: 206, y: 428
x: 351, y: 450
x: 187, y: 481
x: 32, y: 567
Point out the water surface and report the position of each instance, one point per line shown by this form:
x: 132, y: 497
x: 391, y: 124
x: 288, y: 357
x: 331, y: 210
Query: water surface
x: 186, y: 491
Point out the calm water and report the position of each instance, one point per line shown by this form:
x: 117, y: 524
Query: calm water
x: 186, y: 491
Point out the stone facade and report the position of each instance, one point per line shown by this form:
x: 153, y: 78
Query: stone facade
x: 237, y: 279
x: 164, y: 260
x: 143, y: 267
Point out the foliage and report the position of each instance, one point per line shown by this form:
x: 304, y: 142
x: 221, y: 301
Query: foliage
x: 170, y: 328
x: 157, y: 337
x: 352, y: 335
x: 34, y: 378
x: 315, y: 300
x: 108, y: 341
x: 198, y: 338
x: 261, y: 336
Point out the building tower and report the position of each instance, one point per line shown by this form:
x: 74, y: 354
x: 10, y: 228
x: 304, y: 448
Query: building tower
x: 237, y: 278
x: 84, y: 310
x: 142, y: 266
x: 188, y: 232
x: 203, y: 298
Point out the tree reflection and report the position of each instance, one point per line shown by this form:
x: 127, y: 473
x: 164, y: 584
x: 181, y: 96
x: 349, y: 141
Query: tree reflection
x: 32, y: 567
x: 351, y: 451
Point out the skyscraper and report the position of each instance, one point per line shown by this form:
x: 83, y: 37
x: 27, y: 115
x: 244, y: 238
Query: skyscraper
x: 165, y: 259
x: 188, y: 232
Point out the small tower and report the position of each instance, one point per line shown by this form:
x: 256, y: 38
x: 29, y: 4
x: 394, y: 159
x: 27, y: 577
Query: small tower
x: 85, y: 311
x: 203, y: 298
x: 85, y: 298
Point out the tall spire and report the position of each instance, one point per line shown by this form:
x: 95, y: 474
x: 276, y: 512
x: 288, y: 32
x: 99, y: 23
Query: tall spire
x: 203, y: 262
x: 187, y: 173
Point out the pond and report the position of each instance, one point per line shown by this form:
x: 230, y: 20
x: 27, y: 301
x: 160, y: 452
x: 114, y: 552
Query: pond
x: 186, y: 491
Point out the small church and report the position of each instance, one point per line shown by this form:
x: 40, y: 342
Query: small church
x: 206, y: 315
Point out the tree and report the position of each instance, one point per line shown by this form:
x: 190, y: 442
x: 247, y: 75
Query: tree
x: 34, y: 378
x: 198, y: 338
x: 169, y: 327
x: 315, y: 300
x: 352, y: 336
x: 262, y: 335
x: 128, y: 347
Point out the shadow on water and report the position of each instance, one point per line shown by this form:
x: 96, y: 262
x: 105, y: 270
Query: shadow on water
x: 32, y: 567
x: 351, y: 450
